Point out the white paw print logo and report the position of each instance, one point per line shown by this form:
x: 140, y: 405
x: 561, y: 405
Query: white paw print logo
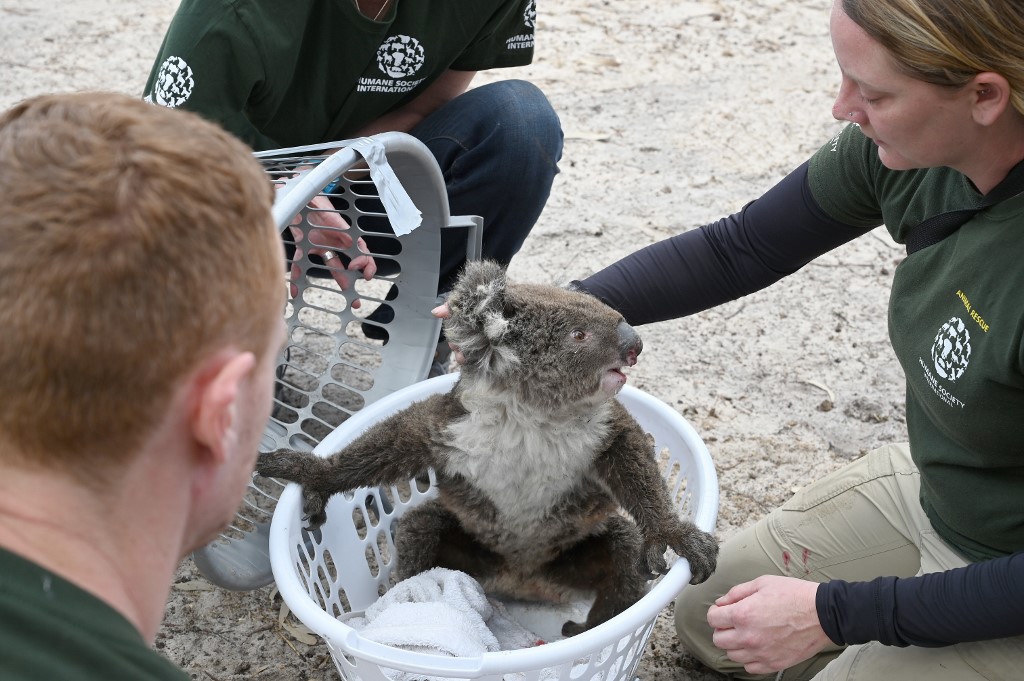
x: 951, y: 350
x: 174, y: 82
x: 400, y: 56
x: 530, y: 14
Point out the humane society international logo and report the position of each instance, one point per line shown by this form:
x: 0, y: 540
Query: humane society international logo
x: 950, y: 355
x: 174, y: 83
x: 951, y: 349
x: 398, y: 57
x: 530, y: 14
x: 524, y: 40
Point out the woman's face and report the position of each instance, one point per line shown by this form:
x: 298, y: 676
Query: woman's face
x: 915, y: 124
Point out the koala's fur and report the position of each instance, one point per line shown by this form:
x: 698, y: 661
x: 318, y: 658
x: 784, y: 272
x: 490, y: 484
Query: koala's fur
x: 533, y: 457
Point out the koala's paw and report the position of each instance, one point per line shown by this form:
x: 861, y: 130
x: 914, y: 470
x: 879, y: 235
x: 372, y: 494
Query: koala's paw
x: 305, y: 469
x: 699, y: 548
x: 571, y: 628
x: 654, y: 561
x: 284, y: 464
x: 266, y: 465
x: 314, y: 508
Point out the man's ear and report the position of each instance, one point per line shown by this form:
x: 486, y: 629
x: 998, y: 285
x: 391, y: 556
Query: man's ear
x: 218, y: 392
x: 992, y: 97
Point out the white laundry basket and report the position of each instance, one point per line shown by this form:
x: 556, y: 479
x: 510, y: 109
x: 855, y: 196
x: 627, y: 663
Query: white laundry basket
x: 335, y: 573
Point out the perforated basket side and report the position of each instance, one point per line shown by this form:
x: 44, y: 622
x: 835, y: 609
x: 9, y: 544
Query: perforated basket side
x: 342, y: 356
x: 323, y: 592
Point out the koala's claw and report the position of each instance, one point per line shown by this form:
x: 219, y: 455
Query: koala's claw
x: 314, y: 507
x: 285, y: 464
x: 265, y: 465
x: 698, y: 547
x: 702, y: 554
x: 571, y: 628
x: 313, y: 522
x: 654, y: 561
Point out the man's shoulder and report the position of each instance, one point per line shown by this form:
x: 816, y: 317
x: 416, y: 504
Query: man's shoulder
x: 851, y: 183
x: 52, y: 629
x: 255, y: 18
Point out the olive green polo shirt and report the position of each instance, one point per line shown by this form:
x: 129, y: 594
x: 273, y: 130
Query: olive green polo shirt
x: 956, y: 321
x: 51, y: 629
x: 280, y: 74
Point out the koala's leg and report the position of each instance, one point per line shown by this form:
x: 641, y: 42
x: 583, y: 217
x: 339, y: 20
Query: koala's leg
x: 606, y: 563
x: 430, y: 536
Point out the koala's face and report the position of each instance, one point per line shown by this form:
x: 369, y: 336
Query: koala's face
x: 551, y: 346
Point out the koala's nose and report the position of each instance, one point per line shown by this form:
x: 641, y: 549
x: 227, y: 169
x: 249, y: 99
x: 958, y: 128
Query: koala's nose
x: 630, y: 344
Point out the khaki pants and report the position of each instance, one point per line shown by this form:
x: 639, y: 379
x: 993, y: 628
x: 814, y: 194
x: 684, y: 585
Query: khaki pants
x: 858, y: 523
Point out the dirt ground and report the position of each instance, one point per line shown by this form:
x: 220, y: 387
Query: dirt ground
x: 675, y: 114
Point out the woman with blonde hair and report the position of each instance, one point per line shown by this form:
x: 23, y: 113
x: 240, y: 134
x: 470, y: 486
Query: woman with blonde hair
x: 909, y: 562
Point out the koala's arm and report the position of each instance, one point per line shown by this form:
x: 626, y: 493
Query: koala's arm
x: 628, y: 467
x: 393, y: 450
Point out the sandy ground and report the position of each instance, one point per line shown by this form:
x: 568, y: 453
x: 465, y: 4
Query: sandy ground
x: 675, y: 114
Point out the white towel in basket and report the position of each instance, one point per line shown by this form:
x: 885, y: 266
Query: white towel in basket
x: 444, y: 612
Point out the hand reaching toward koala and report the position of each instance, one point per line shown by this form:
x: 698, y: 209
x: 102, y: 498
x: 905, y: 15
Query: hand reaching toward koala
x: 442, y: 312
x: 533, y: 456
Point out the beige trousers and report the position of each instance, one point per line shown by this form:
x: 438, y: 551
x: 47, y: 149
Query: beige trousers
x: 861, y: 522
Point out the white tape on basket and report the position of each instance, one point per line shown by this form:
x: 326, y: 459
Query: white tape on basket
x: 402, y: 212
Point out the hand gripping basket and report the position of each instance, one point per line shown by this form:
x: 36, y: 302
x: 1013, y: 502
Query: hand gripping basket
x: 339, y: 359
x: 329, y: 575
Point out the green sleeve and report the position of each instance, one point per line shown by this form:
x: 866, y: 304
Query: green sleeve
x: 842, y: 178
x: 506, y: 39
x: 209, y: 63
x: 850, y: 183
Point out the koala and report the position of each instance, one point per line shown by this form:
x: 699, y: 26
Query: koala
x: 535, y: 459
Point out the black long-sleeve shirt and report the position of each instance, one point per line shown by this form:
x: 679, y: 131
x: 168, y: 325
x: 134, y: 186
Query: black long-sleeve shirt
x: 768, y: 239
x: 984, y: 600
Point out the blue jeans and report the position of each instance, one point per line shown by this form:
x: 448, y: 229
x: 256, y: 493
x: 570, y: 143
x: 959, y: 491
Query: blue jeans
x: 498, y: 147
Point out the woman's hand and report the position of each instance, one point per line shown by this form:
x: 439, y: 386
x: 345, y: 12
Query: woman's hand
x: 768, y: 624
x: 442, y: 311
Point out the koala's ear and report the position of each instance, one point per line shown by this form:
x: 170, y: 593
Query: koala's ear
x: 478, y: 320
x: 479, y: 288
x: 577, y: 286
x: 479, y: 273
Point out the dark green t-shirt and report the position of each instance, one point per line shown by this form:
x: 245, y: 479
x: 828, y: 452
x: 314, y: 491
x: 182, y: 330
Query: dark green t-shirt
x: 51, y: 629
x: 280, y: 74
x: 956, y: 322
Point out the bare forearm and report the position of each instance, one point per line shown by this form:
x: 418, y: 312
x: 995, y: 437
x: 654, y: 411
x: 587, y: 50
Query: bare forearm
x: 447, y: 87
x: 395, y: 121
